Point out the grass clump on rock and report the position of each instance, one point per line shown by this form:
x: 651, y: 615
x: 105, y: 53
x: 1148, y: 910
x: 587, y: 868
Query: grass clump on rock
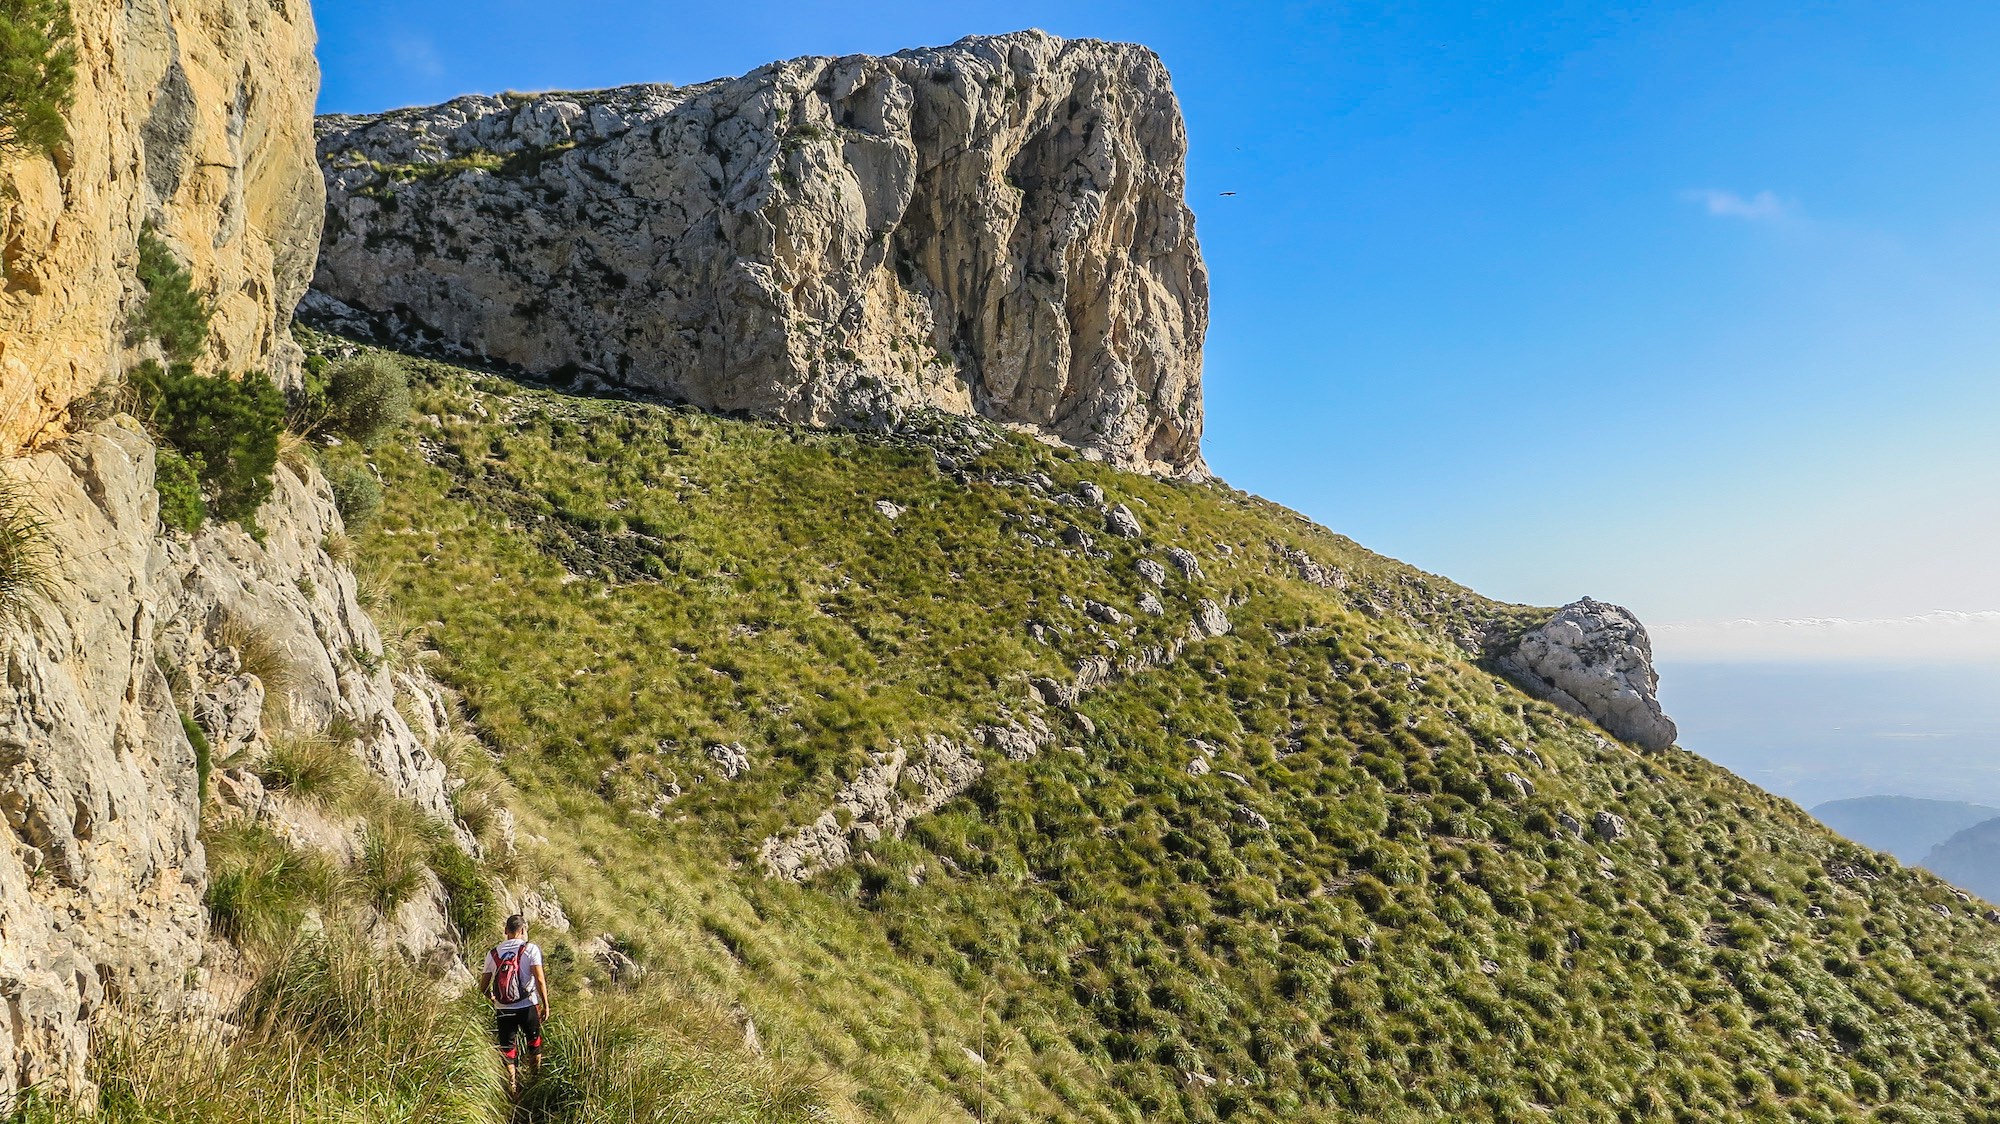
x: 24, y: 554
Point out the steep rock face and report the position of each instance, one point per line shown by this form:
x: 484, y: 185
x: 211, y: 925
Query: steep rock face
x: 194, y: 116
x: 1594, y: 660
x: 995, y: 227
x: 102, y: 873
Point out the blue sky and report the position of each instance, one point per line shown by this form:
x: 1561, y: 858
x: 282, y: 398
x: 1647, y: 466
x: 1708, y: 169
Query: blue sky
x: 1695, y: 307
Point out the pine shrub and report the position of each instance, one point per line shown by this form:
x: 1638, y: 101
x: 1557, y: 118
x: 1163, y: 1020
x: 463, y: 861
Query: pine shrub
x: 178, y: 481
x: 226, y: 428
x: 37, y: 73
x: 356, y: 493
x: 173, y: 313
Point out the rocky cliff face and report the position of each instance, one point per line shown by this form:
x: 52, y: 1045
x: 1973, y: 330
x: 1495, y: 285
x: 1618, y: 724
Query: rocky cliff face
x: 194, y: 116
x: 102, y: 874
x: 1594, y: 660
x: 995, y: 227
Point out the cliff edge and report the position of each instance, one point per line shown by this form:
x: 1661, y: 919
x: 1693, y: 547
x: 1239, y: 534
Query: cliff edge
x: 996, y: 228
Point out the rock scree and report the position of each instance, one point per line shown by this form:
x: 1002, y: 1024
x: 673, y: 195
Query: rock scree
x: 993, y: 228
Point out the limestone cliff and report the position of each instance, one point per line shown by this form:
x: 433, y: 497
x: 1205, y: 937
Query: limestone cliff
x: 191, y: 115
x: 995, y: 227
x: 102, y: 873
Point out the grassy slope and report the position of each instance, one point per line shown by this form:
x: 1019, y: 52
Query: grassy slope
x: 615, y: 586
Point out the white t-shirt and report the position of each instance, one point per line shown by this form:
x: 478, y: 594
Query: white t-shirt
x: 531, y: 957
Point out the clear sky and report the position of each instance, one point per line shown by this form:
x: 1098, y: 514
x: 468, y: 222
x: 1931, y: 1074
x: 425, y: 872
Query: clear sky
x: 1693, y: 307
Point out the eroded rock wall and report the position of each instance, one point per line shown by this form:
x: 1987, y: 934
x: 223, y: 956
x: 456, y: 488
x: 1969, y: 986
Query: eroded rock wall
x: 996, y: 227
x: 102, y: 871
x: 194, y: 116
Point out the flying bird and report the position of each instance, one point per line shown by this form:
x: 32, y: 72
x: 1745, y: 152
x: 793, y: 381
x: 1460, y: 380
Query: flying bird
x: 1229, y: 193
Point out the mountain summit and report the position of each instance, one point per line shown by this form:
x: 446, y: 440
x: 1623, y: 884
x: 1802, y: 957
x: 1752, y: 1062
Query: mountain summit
x: 995, y: 228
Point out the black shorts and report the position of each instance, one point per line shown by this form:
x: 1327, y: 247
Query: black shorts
x: 510, y: 1026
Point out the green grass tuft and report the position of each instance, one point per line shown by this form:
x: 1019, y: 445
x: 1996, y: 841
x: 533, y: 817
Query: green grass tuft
x: 37, y: 74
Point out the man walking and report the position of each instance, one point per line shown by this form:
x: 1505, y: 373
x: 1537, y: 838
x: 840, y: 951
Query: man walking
x: 514, y: 982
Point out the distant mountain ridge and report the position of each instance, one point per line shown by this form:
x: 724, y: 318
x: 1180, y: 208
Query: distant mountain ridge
x: 1905, y: 826
x: 1970, y: 859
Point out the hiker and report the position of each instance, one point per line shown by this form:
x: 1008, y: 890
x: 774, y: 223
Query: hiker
x: 514, y: 982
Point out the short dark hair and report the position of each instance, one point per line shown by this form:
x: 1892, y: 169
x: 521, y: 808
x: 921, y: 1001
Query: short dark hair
x: 515, y: 923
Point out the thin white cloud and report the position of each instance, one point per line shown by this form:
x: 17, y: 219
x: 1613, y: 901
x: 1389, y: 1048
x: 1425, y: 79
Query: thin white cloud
x: 416, y: 53
x: 1942, y: 635
x: 1761, y: 207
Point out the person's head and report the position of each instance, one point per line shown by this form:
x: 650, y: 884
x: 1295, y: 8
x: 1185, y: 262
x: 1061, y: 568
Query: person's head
x: 517, y: 925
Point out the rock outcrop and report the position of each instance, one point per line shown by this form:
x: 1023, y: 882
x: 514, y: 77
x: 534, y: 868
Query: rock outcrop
x: 102, y: 873
x: 1594, y: 660
x: 194, y: 117
x: 996, y: 228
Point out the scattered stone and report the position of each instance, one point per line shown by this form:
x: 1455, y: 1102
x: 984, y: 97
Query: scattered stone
x: 1121, y: 522
x: 1075, y: 536
x: 1152, y: 571
x: 1521, y: 784
x: 1312, y: 573
x: 1185, y: 562
x: 1198, y: 766
x: 1209, y: 620
x: 1099, y: 611
x: 889, y: 509
x: 1150, y: 605
x: 733, y: 759
x: 1253, y: 817
x: 1090, y: 493
x: 1570, y: 824
x: 1609, y: 826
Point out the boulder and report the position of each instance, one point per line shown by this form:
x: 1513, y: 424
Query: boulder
x: 1594, y: 660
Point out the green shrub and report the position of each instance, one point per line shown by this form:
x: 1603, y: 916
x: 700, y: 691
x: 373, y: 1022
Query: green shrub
x: 178, y: 481
x: 364, y: 399
x: 226, y: 428
x: 173, y: 313
x: 468, y: 893
x: 262, y: 656
x: 24, y: 560
x: 356, y: 493
x: 37, y: 73
x: 204, y: 755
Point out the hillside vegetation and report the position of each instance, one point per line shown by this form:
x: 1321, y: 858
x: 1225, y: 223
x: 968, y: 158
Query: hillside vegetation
x: 1320, y: 867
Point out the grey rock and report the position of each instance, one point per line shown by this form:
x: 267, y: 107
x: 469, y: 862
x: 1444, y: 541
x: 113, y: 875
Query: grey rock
x: 1209, y: 621
x: 877, y: 804
x: 1185, y: 562
x: 1075, y: 536
x: 1312, y: 573
x: 732, y: 759
x: 1594, y: 660
x: 1152, y: 571
x: 889, y: 509
x: 1198, y: 766
x: 1090, y: 493
x: 1609, y: 826
x: 1099, y: 611
x: 1521, y: 784
x: 1570, y: 824
x: 1121, y: 522
x: 1150, y: 605
x: 996, y: 228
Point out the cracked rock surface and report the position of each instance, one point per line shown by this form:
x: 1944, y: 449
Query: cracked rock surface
x: 997, y: 227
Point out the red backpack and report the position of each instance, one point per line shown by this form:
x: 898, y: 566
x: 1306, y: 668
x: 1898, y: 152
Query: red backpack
x: 509, y: 986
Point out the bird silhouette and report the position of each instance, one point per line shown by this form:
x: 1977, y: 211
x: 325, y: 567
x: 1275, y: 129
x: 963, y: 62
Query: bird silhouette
x: 1229, y: 193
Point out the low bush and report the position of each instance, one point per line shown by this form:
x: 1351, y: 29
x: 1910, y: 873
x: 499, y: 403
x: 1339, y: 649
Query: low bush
x: 227, y: 429
x: 260, y: 886
x: 356, y: 493
x: 364, y: 399
x: 204, y: 755
x: 172, y: 314
x: 37, y: 73
x: 262, y: 656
